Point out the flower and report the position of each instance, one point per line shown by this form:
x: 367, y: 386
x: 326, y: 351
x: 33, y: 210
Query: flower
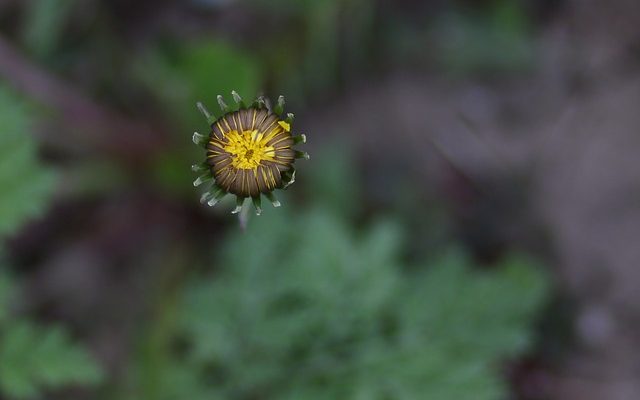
x: 249, y: 152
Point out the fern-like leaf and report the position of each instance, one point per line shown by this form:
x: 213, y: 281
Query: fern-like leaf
x: 304, y: 308
x: 33, y: 358
x: 25, y: 183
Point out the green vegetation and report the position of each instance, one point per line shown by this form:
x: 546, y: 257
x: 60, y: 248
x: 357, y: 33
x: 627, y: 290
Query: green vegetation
x: 33, y: 357
x: 302, y: 306
x: 317, y: 299
x: 25, y: 184
x: 306, y: 308
x: 496, y: 40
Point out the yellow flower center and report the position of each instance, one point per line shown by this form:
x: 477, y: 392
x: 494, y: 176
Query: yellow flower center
x: 248, y: 149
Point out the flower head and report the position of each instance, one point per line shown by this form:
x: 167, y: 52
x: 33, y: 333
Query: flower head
x: 249, y: 152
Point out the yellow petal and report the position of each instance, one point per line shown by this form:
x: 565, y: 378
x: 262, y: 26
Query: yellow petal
x: 285, y: 125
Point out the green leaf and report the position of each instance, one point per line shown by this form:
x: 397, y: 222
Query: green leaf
x: 33, y: 358
x: 305, y: 308
x: 496, y: 41
x: 25, y: 184
x: 184, y: 74
x: 44, y: 23
x: 333, y: 179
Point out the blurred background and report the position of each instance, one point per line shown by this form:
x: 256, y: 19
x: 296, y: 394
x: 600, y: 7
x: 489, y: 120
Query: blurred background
x: 467, y: 226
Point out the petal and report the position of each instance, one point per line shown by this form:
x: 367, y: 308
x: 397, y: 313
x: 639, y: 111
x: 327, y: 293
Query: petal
x: 275, y: 174
x: 268, y: 124
x: 237, y: 187
x: 238, y: 118
x: 246, y: 117
x: 262, y: 179
x: 217, y: 131
x: 281, y: 140
x: 230, y: 122
x: 260, y: 116
x: 218, y: 160
x: 227, y: 179
x: 252, y: 183
x: 285, y: 154
x: 222, y: 163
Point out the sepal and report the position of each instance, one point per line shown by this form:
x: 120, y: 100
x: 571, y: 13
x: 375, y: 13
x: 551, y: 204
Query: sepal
x: 238, y: 99
x: 223, y: 106
x: 199, y: 139
x: 279, y: 108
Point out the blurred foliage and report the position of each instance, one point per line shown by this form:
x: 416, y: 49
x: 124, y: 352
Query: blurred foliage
x: 32, y: 357
x: 304, y: 305
x: 332, y: 178
x: 182, y: 74
x: 320, y: 44
x: 305, y: 308
x: 25, y: 183
x: 43, y: 26
x: 35, y: 357
x: 496, y: 39
x: 6, y: 291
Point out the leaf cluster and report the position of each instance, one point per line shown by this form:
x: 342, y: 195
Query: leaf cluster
x: 307, y: 308
x: 33, y: 357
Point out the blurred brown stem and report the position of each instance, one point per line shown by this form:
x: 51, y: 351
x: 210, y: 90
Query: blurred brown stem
x: 89, y: 123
